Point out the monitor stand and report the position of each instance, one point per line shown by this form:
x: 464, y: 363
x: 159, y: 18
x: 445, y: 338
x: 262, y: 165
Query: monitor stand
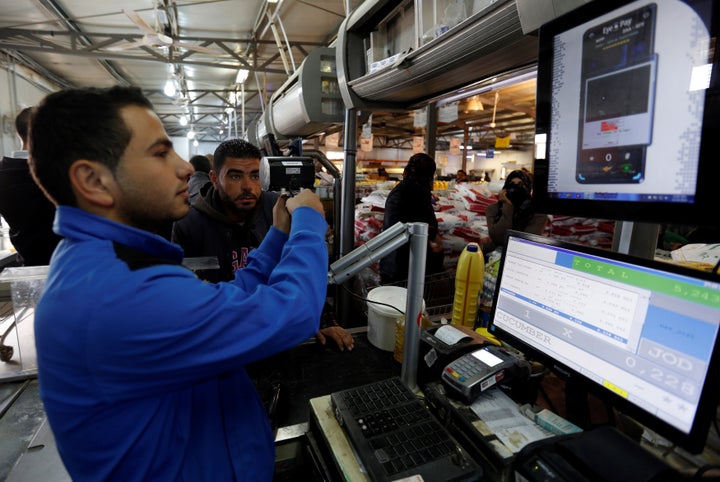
x: 637, y: 239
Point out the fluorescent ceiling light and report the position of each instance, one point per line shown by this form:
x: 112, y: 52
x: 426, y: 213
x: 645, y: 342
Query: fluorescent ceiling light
x: 169, y: 88
x: 242, y: 76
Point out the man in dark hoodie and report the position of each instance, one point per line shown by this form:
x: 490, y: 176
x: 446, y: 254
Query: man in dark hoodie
x: 232, y: 217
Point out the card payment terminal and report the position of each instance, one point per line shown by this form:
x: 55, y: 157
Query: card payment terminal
x: 475, y: 372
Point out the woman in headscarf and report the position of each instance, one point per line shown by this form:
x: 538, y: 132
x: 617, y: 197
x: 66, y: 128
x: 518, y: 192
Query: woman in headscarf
x: 514, y: 210
x: 411, y: 201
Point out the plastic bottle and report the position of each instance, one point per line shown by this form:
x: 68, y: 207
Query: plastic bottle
x: 468, y: 282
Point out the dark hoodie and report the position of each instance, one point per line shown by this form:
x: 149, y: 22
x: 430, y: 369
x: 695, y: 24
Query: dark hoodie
x: 207, y: 231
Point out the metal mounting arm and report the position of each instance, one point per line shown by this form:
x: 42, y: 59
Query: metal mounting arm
x: 376, y: 249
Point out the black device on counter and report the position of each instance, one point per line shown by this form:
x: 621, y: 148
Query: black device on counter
x: 436, y: 350
x: 602, y: 454
x: 288, y: 174
x: 396, y: 437
x: 475, y: 372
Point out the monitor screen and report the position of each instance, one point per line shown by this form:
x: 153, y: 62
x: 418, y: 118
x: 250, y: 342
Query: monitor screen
x: 644, y: 332
x: 627, y: 98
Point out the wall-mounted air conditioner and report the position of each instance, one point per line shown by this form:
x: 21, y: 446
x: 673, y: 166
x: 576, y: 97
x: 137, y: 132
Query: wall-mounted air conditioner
x: 309, y: 101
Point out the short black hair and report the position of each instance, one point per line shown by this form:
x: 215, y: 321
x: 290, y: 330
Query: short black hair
x: 77, y: 124
x: 237, y: 148
x: 22, y: 123
x: 200, y: 163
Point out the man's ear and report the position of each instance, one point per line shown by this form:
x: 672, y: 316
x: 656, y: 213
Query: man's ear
x: 93, y: 183
x: 213, y: 178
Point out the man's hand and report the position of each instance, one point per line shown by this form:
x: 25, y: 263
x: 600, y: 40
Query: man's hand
x: 281, y: 216
x: 342, y: 338
x: 436, y: 245
x: 305, y: 198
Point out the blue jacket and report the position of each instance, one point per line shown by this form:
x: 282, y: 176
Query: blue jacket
x: 141, y: 364
x: 207, y: 231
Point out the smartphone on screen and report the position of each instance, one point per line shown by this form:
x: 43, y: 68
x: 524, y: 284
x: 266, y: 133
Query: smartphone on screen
x: 618, y: 72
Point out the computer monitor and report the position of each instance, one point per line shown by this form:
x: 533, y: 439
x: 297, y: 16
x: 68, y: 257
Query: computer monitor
x: 627, y: 97
x: 643, y: 334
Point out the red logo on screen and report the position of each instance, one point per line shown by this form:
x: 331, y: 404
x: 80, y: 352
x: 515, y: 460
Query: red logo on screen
x: 608, y: 126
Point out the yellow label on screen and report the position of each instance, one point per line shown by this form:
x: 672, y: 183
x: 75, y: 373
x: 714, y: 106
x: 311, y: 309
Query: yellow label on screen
x: 615, y: 388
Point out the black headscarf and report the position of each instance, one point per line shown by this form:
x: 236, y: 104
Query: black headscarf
x: 420, y: 169
x: 520, y: 196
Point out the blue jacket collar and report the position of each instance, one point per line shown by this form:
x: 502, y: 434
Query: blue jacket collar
x: 75, y: 223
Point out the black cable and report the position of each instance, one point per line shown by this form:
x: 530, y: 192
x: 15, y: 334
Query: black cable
x: 701, y: 471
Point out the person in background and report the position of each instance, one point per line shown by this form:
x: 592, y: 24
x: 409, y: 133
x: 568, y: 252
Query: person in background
x: 412, y: 201
x: 143, y: 364
x: 23, y: 205
x: 382, y: 174
x: 233, y: 217
x: 200, y: 179
x: 514, y: 210
x: 461, y: 176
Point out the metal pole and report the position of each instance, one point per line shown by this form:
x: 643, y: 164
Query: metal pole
x: 346, y: 229
x: 242, y: 119
x: 347, y: 217
x: 431, y: 129
x: 413, y: 310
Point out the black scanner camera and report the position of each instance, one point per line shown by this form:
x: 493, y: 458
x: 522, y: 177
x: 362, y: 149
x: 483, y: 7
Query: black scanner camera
x: 287, y: 174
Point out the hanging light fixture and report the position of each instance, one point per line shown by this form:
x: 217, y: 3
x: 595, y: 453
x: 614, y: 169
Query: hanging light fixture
x: 474, y: 104
x: 183, y: 120
x: 241, y: 76
x: 169, y: 88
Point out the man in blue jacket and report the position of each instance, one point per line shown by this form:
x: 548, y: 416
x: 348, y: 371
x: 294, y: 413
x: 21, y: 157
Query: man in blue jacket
x: 141, y: 364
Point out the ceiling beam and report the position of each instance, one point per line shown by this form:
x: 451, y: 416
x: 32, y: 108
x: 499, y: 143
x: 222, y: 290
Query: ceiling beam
x: 51, y: 41
x: 57, y: 11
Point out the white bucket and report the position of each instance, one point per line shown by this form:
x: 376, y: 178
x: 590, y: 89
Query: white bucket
x: 381, y: 319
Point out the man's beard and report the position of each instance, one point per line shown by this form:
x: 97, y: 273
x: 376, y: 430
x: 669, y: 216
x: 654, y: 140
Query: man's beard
x: 230, y: 204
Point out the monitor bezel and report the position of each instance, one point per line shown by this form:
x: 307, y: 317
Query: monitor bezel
x: 695, y: 213
x: 695, y: 439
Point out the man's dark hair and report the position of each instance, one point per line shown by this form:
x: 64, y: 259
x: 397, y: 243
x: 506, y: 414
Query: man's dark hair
x: 79, y: 124
x: 237, y: 148
x: 22, y: 123
x: 200, y: 163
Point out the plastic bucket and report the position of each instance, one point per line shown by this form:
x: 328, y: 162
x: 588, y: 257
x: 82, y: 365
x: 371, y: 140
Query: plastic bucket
x: 381, y: 318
